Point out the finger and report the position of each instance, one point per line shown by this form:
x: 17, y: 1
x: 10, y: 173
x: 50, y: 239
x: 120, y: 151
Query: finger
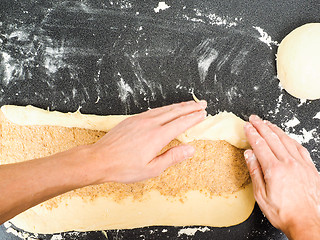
x: 271, y: 138
x: 261, y: 149
x: 171, y: 112
x: 295, y: 149
x: 258, y: 181
x: 181, y: 124
x: 169, y: 158
x: 305, y: 154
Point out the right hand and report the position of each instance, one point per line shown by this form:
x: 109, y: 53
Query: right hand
x: 285, y: 181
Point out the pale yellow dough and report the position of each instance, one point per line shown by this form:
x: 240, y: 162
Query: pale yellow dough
x: 223, y: 126
x: 102, y: 213
x: 298, y: 62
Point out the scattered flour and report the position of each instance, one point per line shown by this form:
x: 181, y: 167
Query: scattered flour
x: 302, y: 101
x: 98, y: 99
x: 124, y: 90
x: 54, y: 59
x: 20, y: 35
x: 192, y: 231
x: 232, y: 92
x: 239, y: 61
x: 305, y: 135
x: 317, y: 116
x: 57, y: 237
x: 205, y: 54
x: 265, y: 38
x: 292, y: 123
x: 217, y: 20
x: 19, y: 234
x: 279, y: 101
x: 280, y: 86
x: 161, y: 6
x: 8, y: 67
x: 204, y: 63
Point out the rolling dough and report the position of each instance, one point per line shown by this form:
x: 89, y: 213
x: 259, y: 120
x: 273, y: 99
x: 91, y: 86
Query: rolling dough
x: 223, y: 126
x: 298, y: 62
x: 211, y: 189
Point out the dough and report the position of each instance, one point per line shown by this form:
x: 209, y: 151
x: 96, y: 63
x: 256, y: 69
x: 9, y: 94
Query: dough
x: 212, y: 192
x: 298, y: 62
x: 223, y: 126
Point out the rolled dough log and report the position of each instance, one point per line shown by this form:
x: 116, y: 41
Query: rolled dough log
x: 298, y: 62
x: 72, y: 211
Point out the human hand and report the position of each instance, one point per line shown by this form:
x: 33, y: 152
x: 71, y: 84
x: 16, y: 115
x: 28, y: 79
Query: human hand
x: 286, y: 183
x: 128, y: 152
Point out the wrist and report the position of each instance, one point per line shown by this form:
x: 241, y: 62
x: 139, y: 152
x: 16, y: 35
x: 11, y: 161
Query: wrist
x: 92, y: 169
x: 304, y: 230
x: 83, y: 169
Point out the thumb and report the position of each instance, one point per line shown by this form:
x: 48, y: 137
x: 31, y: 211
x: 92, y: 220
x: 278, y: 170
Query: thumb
x: 169, y: 158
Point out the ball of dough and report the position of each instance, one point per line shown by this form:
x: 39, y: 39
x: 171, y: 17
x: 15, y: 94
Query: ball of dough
x: 298, y: 62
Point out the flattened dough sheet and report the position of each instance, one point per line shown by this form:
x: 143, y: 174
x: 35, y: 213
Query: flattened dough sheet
x: 77, y: 211
x: 223, y: 126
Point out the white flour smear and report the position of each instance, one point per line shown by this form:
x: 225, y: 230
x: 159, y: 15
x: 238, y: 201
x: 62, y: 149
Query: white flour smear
x: 292, y: 123
x: 19, y: 234
x: 27, y: 236
x: 124, y: 90
x: 265, y: 38
x: 304, y: 136
x: 212, y: 18
x: 161, y: 6
x: 205, y: 54
x: 317, y: 116
x: 192, y: 231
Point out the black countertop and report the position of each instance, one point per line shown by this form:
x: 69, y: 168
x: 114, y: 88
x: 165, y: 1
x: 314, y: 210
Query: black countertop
x: 123, y: 57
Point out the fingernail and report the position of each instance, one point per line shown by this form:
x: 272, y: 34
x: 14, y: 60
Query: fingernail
x: 254, y: 118
x: 203, y: 104
x: 188, y: 151
x: 205, y: 114
x: 247, y: 154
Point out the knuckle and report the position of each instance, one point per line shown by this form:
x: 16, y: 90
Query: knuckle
x: 145, y: 121
x: 268, y: 174
x: 274, y: 136
x: 289, y: 160
x: 253, y: 171
x: 173, y: 156
x: 302, y: 149
x: 258, y: 194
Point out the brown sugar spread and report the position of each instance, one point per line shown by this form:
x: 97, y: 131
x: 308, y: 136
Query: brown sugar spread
x: 217, y: 168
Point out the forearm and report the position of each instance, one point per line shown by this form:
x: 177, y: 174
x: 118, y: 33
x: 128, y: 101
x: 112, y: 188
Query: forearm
x: 24, y: 185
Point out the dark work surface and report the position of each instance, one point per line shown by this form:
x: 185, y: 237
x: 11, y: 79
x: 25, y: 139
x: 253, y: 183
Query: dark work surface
x: 121, y: 57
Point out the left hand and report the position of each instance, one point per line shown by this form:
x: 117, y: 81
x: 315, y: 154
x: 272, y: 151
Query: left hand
x: 129, y: 152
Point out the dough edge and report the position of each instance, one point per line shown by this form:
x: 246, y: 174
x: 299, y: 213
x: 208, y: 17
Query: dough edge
x: 198, y: 208
x: 103, y: 213
x: 223, y: 126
